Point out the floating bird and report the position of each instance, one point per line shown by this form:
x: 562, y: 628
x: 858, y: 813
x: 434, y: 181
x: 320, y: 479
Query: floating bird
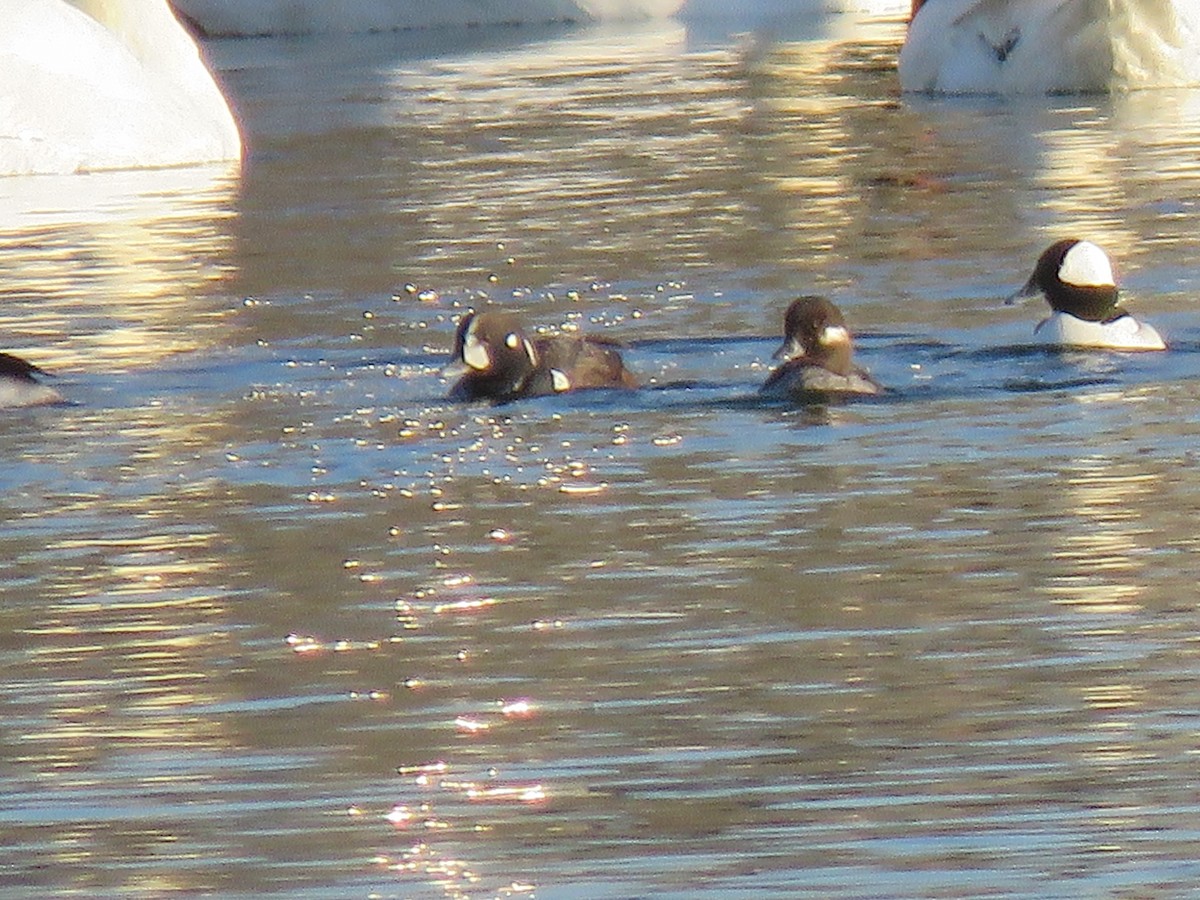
x: 504, y: 364
x: 20, y: 384
x: 1077, y: 281
x: 817, y: 354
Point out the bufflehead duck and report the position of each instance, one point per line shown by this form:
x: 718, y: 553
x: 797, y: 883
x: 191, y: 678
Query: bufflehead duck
x: 816, y: 354
x: 1077, y: 281
x: 504, y: 364
x: 1040, y: 46
x: 19, y: 384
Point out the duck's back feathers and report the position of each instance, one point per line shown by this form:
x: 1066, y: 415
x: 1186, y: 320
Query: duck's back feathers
x: 19, y: 369
x: 577, y: 363
x: 799, y: 378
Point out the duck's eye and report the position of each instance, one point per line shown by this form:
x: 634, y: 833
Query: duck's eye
x: 512, y: 340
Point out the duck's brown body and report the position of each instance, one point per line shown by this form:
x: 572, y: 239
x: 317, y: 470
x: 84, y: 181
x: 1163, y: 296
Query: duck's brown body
x: 503, y: 364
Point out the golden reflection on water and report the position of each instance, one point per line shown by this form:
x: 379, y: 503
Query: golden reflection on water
x: 423, y: 857
x: 113, y: 265
x: 570, y: 631
x: 149, y: 601
x: 1086, y: 178
x: 1103, y: 549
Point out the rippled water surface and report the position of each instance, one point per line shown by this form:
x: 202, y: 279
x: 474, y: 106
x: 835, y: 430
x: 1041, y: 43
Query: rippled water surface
x: 278, y: 620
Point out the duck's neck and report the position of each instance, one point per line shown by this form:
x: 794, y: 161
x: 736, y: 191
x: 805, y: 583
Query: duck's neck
x: 837, y: 358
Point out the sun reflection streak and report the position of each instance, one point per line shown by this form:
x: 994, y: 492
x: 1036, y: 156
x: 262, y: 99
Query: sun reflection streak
x: 307, y: 644
x: 1103, y: 552
x: 1102, y: 559
x: 126, y: 249
x: 440, y: 788
x: 454, y: 594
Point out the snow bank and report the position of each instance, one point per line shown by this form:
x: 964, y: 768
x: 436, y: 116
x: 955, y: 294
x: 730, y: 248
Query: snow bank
x: 281, y: 17
x: 284, y: 17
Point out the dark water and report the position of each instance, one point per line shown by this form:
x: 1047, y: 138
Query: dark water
x: 277, y: 620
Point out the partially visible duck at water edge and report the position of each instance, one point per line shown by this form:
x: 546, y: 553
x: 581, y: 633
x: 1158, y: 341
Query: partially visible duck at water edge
x: 21, y: 384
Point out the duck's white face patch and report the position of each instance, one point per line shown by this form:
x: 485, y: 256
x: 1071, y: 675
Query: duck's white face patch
x: 1086, y: 265
x: 834, y: 334
x: 560, y: 381
x: 475, y: 351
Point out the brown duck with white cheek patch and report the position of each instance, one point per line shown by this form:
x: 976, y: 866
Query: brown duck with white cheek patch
x: 503, y: 364
x: 817, y: 354
x: 20, y: 384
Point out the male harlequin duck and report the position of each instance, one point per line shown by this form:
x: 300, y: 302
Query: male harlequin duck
x: 1077, y: 281
x: 504, y: 364
x: 817, y: 353
x: 20, y: 384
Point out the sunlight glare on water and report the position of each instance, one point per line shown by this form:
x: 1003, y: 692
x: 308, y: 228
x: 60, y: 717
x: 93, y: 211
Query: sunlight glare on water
x: 281, y: 620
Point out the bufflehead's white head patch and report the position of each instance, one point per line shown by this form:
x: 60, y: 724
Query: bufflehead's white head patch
x: 560, y: 381
x: 1086, y: 265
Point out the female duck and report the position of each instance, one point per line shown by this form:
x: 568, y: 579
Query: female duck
x: 1077, y: 281
x: 817, y: 353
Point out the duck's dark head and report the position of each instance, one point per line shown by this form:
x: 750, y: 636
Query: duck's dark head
x: 814, y: 328
x: 499, y: 358
x: 1075, y: 277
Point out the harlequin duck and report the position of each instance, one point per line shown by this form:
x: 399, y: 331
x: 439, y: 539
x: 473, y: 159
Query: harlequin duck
x: 816, y: 354
x: 20, y: 384
x: 1077, y: 281
x: 504, y: 364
